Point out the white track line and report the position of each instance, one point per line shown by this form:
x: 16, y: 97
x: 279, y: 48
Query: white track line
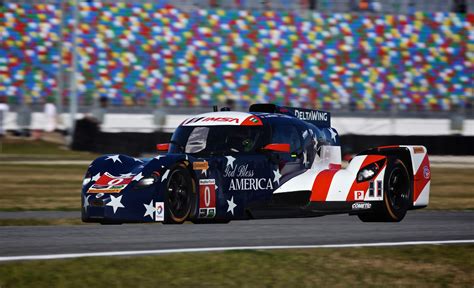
x: 219, y: 249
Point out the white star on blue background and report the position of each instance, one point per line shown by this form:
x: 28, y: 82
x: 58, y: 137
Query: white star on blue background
x: 138, y: 177
x: 96, y: 177
x: 333, y: 134
x: 230, y: 161
x: 115, y: 202
x: 114, y: 158
x: 150, y: 209
x: 232, y: 205
x: 165, y: 175
x: 277, y: 176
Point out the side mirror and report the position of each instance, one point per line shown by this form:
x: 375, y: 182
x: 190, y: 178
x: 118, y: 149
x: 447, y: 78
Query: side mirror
x: 163, y: 147
x: 277, y: 147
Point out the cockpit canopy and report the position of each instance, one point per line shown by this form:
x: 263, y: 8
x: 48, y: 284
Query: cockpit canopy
x: 210, y: 140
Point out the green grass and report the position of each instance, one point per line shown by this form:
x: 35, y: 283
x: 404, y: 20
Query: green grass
x: 452, y: 189
x: 40, y: 187
x: 420, y: 266
x: 20, y: 149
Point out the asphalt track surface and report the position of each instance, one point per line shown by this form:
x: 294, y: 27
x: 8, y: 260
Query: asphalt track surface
x: 40, y: 214
x: 335, y: 229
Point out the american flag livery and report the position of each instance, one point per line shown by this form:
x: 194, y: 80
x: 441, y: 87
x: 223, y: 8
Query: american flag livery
x: 269, y: 162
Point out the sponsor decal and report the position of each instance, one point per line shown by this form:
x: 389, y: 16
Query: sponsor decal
x: 250, y: 184
x: 311, y: 115
x: 207, y: 198
x: 361, y: 206
x: 200, y: 165
x: 418, y: 150
x: 221, y: 119
x: 211, y: 120
x: 242, y: 179
x: 109, y: 183
x: 191, y: 120
x: 160, y: 211
x: 207, y: 212
x: 358, y: 195
x: 426, y: 172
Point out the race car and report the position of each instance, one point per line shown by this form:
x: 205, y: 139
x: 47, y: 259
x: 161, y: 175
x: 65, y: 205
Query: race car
x: 270, y: 162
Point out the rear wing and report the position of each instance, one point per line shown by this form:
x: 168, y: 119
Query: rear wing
x: 316, y: 117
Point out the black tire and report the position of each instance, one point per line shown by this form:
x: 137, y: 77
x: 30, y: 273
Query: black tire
x: 179, y: 195
x: 397, y: 195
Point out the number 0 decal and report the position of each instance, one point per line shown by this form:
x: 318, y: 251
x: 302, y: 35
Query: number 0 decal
x: 207, y: 193
x: 207, y: 196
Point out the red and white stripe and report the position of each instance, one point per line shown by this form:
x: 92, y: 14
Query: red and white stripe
x: 343, y: 184
x: 333, y: 184
x: 422, y: 175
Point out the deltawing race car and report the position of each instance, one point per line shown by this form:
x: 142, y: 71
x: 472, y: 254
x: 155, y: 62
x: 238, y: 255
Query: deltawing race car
x: 271, y: 162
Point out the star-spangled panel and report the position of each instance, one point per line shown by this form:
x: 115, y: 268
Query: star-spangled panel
x: 230, y: 161
x: 163, y: 178
x: 333, y: 134
x: 128, y: 175
x: 138, y: 177
x: 204, y: 171
x: 115, y: 202
x: 85, y: 204
x: 114, y: 158
x: 150, y: 210
x: 276, y: 176
x: 231, y: 205
x: 96, y: 177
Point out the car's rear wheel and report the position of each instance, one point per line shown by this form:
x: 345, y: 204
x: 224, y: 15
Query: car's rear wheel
x: 179, y: 195
x: 396, y: 195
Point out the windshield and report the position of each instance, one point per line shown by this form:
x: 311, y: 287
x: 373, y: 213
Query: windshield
x: 217, y: 139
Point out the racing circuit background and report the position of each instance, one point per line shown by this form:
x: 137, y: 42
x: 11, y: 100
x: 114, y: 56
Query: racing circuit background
x: 81, y: 78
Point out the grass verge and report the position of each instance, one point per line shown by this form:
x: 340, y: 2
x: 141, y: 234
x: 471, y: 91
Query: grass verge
x: 57, y: 187
x: 36, y: 187
x: 21, y: 149
x: 452, y: 189
x: 415, y: 266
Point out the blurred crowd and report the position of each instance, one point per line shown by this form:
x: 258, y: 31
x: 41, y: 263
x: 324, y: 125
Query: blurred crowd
x: 153, y: 53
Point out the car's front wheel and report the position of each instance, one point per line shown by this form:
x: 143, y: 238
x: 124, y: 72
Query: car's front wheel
x: 396, y: 195
x: 179, y: 195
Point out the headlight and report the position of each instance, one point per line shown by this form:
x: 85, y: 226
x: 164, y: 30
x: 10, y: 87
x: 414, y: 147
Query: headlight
x: 146, y: 182
x: 369, y: 171
x: 366, y: 174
